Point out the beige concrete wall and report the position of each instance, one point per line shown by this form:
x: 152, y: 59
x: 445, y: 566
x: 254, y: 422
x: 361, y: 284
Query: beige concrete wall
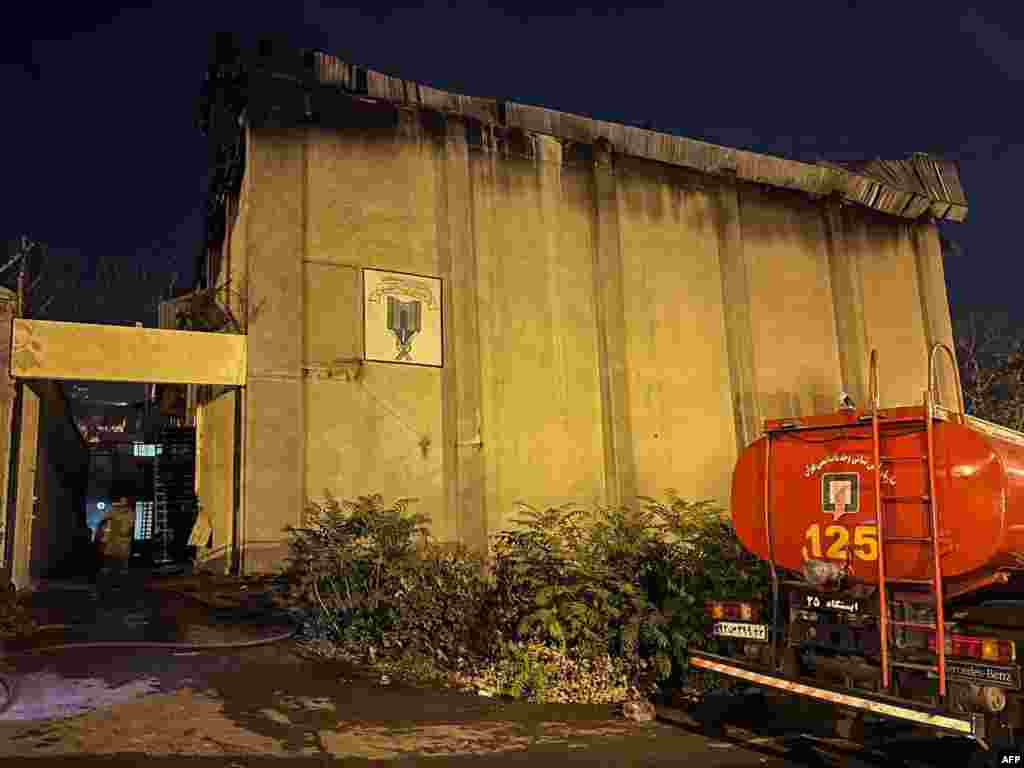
x: 215, y: 448
x: 375, y: 428
x: 794, y: 335
x: 613, y: 326
x: 273, y: 427
x: 7, y: 397
x: 931, y: 283
x: 683, y: 430
x: 25, y: 488
x: 542, y: 433
x: 893, y: 319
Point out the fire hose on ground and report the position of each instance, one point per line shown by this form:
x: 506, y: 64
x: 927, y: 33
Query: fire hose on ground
x: 9, y: 687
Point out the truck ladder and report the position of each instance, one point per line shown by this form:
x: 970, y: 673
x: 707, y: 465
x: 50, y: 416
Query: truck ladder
x: 936, y: 591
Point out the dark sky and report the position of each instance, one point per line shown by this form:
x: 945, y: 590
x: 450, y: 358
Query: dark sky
x: 101, y: 158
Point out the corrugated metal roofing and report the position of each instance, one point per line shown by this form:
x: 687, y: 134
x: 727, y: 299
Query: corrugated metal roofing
x: 909, y: 188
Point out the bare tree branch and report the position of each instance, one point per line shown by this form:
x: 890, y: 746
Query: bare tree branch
x: 991, y: 359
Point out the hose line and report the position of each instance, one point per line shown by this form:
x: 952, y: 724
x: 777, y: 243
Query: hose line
x: 9, y: 685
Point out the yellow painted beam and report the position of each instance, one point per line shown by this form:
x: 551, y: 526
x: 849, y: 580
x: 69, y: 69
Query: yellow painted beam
x: 45, y: 349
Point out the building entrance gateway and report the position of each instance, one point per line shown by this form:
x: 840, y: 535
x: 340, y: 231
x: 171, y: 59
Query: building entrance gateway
x: 44, y: 353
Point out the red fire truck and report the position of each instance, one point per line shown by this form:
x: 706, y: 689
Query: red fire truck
x: 895, y: 538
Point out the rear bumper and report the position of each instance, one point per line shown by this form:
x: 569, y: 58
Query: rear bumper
x: 972, y: 726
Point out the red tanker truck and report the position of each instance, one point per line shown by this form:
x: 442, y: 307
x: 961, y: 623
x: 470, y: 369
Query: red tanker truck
x: 896, y: 543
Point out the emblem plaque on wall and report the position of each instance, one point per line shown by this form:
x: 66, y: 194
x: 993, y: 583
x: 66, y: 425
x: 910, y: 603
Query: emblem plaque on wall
x: 402, y: 318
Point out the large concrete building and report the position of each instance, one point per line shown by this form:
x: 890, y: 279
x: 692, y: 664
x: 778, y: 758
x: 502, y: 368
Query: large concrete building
x: 613, y: 310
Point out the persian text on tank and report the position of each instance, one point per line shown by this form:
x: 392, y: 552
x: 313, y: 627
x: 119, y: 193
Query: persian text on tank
x: 852, y: 459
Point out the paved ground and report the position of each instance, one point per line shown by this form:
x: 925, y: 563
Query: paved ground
x: 268, y: 706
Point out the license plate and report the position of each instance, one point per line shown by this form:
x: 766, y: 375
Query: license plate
x: 744, y: 631
x: 984, y: 674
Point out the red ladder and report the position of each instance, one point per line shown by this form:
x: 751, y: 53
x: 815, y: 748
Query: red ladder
x: 932, y: 537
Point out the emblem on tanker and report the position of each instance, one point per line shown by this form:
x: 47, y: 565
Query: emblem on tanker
x: 840, y: 494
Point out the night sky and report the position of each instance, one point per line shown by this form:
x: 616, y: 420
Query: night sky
x: 102, y: 160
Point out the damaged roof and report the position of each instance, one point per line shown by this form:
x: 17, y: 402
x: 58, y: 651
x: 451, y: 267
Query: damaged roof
x: 918, y: 186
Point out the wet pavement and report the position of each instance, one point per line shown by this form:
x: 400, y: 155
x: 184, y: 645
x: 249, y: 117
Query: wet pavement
x: 76, y: 613
x: 95, y: 649
x: 119, y: 705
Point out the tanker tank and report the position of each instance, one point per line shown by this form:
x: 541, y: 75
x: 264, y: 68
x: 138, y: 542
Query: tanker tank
x: 821, y: 489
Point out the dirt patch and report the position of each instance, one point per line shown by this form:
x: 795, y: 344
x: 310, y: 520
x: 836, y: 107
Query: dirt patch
x: 191, y: 722
x: 184, y: 722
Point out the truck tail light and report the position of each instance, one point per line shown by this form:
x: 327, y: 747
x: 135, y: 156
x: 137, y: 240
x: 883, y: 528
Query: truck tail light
x: 726, y: 609
x: 986, y: 648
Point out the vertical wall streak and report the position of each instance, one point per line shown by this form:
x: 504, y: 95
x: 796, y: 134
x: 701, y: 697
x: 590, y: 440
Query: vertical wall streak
x: 851, y: 334
x: 472, y: 491
x: 738, y: 324
x: 549, y: 183
x: 460, y: 377
x: 491, y: 319
x: 450, y: 371
x: 620, y: 466
x: 300, y: 308
x: 931, y: 278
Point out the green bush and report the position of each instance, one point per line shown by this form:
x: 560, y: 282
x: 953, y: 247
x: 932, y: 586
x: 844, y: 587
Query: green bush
x: 565, y: 586
x: 346, y: 564
x: 630, y: 582
x: 439, y: 602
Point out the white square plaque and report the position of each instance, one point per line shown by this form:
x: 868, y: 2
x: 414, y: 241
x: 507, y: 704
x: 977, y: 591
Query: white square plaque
x: 402, y: 320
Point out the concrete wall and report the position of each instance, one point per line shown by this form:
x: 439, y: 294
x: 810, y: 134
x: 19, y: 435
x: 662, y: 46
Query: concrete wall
x: 215, y: 449
x: 25, y: 463
x: 7, y: 397
x: 613, y: 326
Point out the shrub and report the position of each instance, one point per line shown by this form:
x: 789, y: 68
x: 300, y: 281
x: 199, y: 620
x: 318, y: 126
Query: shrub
x: 572, y: 596
x: 346, y: 563
x: 439, y: 602
x: 630, y: 582
x: 698, y: 557
x: 570, y: 592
